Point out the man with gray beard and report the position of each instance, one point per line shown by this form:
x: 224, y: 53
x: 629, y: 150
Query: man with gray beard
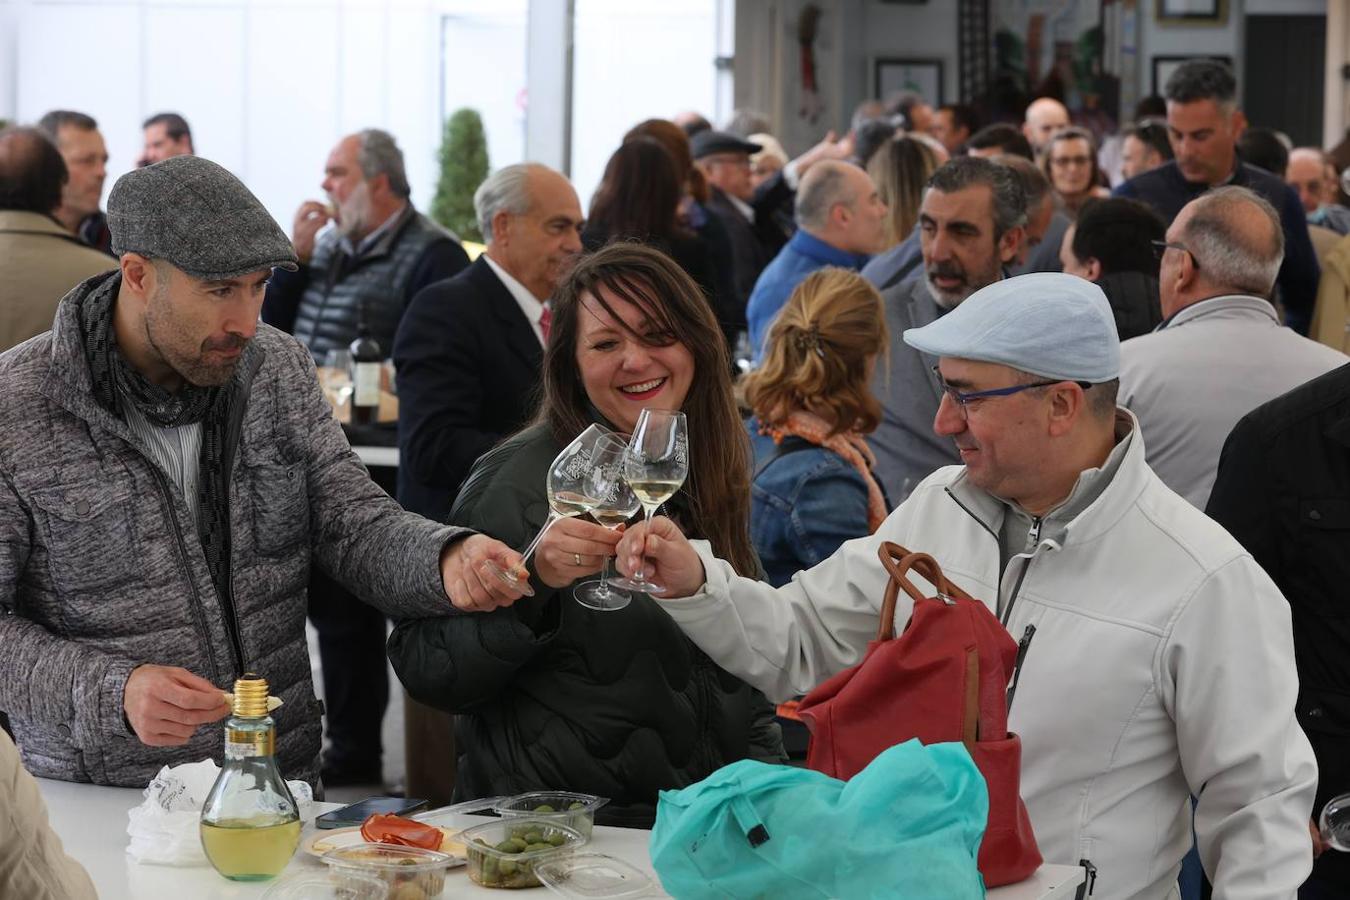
x: 359, y: 275
x: 971, y: 225
x: 380, y: 252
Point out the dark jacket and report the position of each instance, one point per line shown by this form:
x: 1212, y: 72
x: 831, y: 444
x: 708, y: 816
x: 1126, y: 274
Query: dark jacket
x: 553, y: 695
x: 1283, y: 491
x: 1134, y: 302
x: 774, y: 202
x: 727, y: 306
x: 323, y: 302
x: 95, y: 232
x: 1167, y: 191
x: 754, y: 243
x: 101, y: 569
x: 468, y: 365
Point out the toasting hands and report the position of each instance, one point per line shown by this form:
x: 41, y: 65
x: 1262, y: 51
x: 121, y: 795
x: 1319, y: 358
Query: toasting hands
x: 664, y: 555
x: 470, y: 582
x: 572, y: 549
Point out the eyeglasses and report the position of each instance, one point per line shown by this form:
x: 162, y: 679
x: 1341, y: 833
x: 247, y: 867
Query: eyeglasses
x: 961, y: 399
x: 1161, y: 247
x: 1063, y: 162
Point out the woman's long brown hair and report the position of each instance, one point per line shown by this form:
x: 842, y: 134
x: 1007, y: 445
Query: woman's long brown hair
x: 676, y: 142
x: 718, y: 487
x: 639, y: 196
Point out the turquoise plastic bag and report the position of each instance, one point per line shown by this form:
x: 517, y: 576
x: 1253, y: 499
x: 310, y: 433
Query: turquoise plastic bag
x: 909, y: 826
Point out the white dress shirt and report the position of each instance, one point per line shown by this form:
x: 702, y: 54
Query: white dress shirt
x: 530, y: 305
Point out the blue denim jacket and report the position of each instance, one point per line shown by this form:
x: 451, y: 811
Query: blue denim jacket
x: 803, y: 505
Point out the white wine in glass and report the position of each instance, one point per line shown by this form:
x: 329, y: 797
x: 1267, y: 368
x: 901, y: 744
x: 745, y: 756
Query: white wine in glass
x: 615, y: 504
x: 566, y: 485
x: 654, y: 492
x: 655, y: 466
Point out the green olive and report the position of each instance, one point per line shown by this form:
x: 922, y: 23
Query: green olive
x: 576, y: 805
x: 544, y: 808
x: 556, y: 839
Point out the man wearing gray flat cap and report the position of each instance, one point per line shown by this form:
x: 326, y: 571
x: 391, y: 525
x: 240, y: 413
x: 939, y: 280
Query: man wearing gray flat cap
x: 1157, y: 657
x: 170, y: 469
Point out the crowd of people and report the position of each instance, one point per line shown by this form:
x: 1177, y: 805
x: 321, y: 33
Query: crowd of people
x: 1102, y: 379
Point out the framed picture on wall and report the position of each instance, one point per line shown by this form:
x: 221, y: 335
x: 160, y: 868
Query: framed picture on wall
x: 1164, y: 66
x: 923, y: 76
x: 1191, y: 12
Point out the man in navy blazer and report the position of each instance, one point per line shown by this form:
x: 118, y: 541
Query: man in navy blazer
x: 469, y: 349
x: 1203, y: 124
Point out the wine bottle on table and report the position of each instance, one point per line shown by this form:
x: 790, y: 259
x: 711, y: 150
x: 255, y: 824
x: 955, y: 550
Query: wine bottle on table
x: 367, y: 359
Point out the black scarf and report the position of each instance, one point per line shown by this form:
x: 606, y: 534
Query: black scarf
x: 115, y: 382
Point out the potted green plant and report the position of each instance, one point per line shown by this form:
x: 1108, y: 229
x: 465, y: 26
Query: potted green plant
x: 464, y: 166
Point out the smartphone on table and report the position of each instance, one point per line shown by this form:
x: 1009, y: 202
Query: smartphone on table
x: 354, y: 814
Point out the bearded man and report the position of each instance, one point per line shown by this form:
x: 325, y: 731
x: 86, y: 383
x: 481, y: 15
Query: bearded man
x: 169, y: 472
x: 359, y: 275
x: 972, y: 223
x: 363, y: 271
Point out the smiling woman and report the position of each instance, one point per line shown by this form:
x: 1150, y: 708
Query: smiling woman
x: 551, y: 694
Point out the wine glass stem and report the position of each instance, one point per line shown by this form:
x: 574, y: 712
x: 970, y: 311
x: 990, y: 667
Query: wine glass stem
x: 534, y: 544
x: 606, y: 572
x: 641, y: 575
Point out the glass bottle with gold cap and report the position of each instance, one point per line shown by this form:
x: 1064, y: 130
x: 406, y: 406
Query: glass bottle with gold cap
x: 250, y: 823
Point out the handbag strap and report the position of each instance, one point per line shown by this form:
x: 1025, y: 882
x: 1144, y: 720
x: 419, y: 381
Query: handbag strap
x: 898, y: 562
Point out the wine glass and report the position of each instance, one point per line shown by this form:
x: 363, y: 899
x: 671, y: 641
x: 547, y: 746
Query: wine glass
x: 567, y: 484
x: 1334, y: 823
x: 336, y: 375
x: 655, y: 466
x: 615, y: 503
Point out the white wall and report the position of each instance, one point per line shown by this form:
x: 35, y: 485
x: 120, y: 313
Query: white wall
x: 268, y: 87
x: 1166, y: 39
x: 636, y: 60
x: 928, y: 31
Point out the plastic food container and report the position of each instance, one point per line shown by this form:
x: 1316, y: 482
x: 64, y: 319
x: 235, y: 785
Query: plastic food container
x: 594, y: 876
x: 503, y: 854
x: 564, y: 807
x: 408, y: 873
x: 349, y: 885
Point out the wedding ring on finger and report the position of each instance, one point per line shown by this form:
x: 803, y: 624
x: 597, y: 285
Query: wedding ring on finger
x: 577, y: 557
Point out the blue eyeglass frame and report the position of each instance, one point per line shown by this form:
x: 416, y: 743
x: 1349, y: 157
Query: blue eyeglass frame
x: 961, y: 399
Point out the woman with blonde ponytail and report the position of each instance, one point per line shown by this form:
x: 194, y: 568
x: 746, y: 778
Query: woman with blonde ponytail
x: 813, y: 487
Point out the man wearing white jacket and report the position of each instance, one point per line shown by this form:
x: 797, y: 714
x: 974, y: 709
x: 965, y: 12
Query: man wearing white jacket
x: 1159, y: 657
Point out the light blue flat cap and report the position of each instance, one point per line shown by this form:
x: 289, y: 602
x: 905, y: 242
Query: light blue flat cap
x: 1047, y: 323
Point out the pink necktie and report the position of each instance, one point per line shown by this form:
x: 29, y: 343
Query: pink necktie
x: 545, y: 322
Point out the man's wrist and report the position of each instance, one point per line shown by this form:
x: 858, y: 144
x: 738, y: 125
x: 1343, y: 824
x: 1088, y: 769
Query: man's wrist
x: 114, y: 698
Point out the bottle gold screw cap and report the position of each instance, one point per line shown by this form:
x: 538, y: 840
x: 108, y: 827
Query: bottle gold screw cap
x: 250, y: 696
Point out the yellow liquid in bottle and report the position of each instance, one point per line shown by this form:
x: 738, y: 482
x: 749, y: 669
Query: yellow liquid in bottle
x: 244, y: 851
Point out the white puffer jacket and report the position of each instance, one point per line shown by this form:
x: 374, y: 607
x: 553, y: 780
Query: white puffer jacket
x: 1162, y: 666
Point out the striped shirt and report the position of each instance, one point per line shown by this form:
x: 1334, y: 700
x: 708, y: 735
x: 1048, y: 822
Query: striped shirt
x: 177, y: 452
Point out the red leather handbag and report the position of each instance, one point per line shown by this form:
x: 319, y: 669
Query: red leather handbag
x: 945, y: 678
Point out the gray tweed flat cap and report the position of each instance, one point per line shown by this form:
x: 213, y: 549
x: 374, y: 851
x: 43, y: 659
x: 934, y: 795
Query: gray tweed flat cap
x: 194, y: 214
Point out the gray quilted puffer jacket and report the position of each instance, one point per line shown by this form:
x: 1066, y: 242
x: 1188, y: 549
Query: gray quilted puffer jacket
x: 101, y: 569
